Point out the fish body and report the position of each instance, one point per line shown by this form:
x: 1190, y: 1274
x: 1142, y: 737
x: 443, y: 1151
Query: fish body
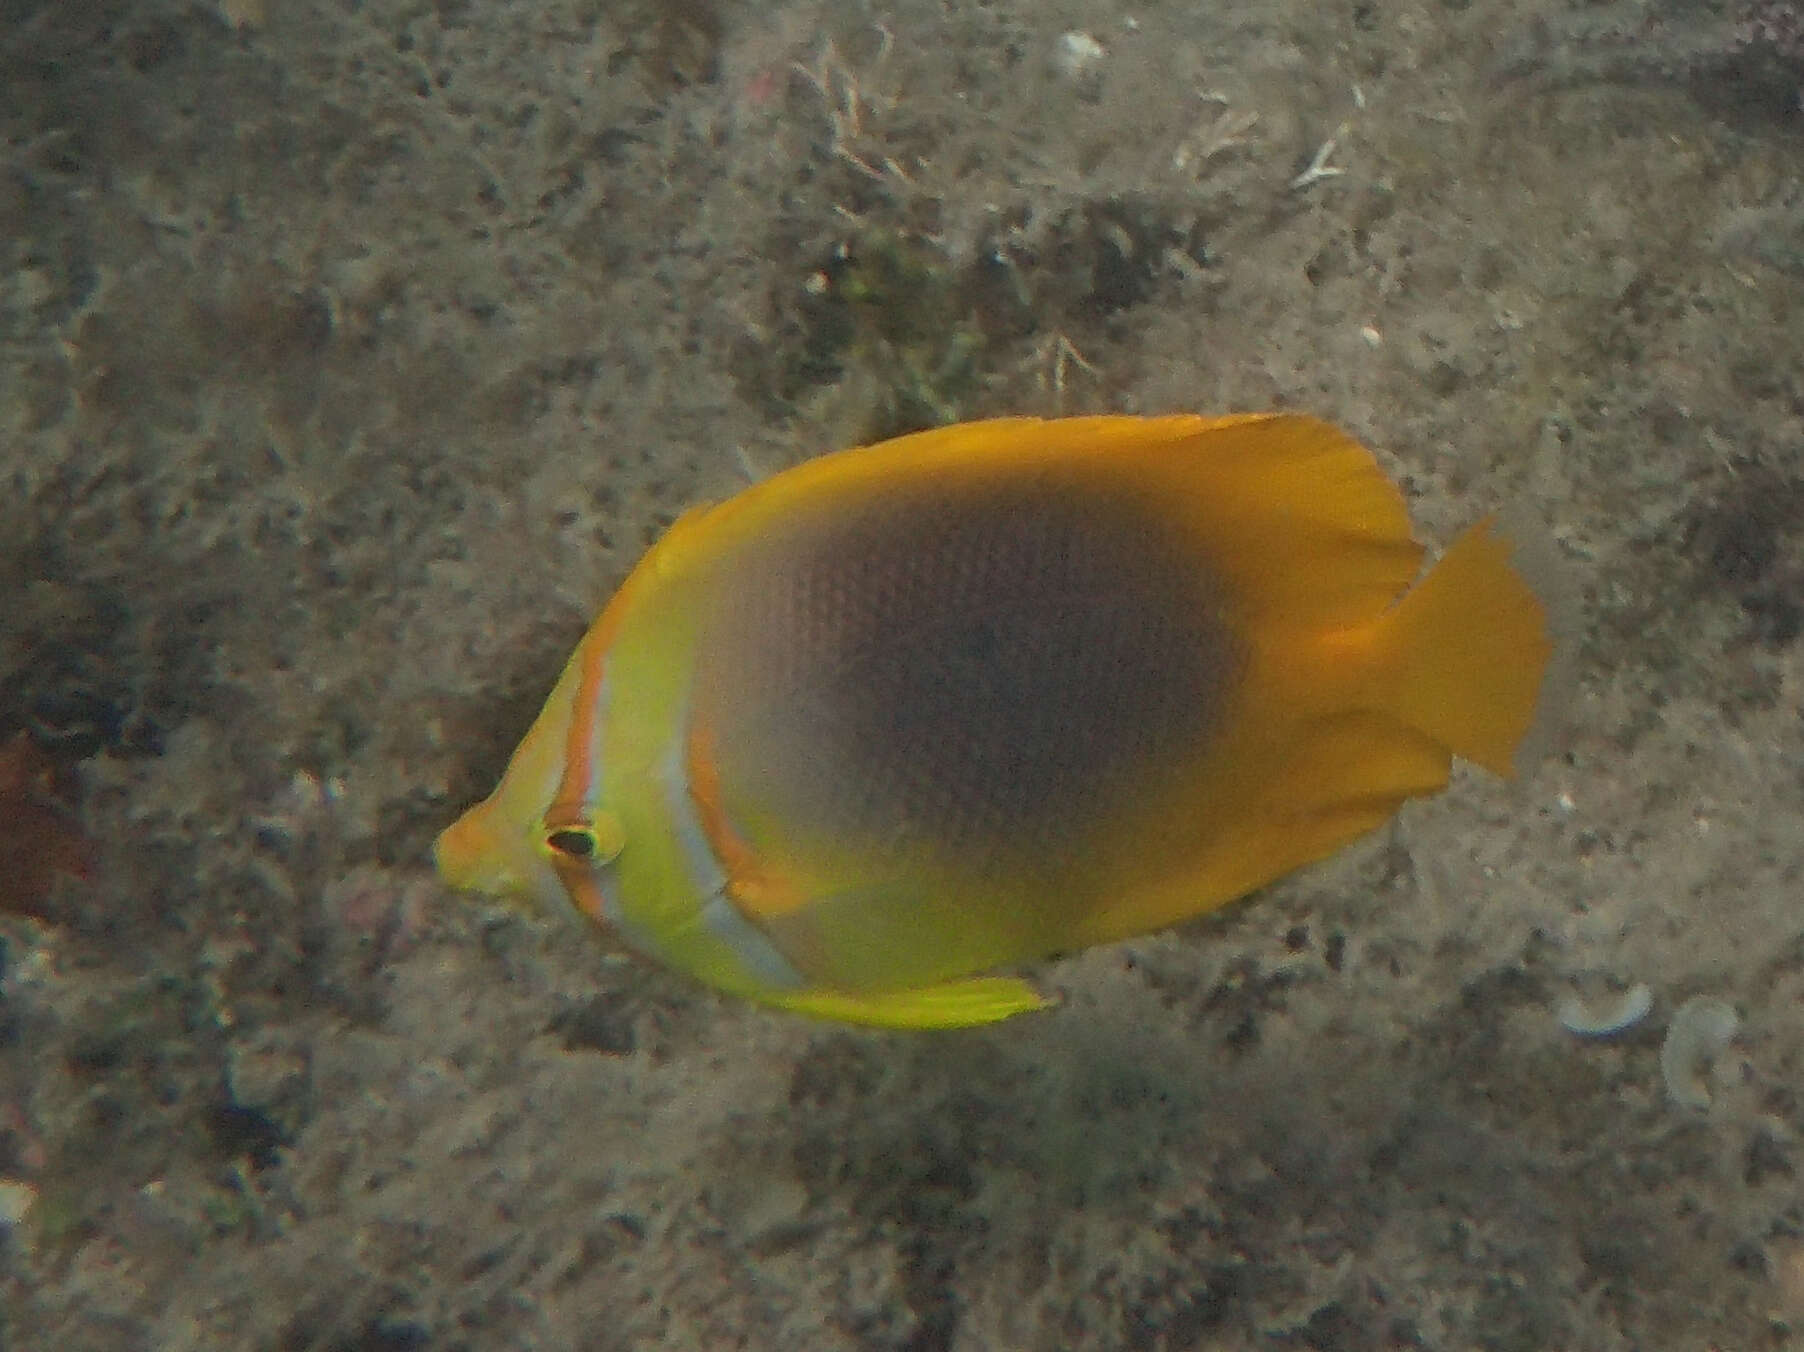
x: 903, y: 715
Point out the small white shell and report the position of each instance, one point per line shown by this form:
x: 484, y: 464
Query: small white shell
x: 15, y: 1200
x: 1697, y: 1035
x: 1078, y: 52
x: 1581, y: 1021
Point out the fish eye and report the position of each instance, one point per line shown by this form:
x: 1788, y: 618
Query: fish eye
x: 575, y: 841
x: 590, y: 840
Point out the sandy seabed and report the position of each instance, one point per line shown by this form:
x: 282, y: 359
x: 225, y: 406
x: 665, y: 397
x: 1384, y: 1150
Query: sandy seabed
x: 351, y: 353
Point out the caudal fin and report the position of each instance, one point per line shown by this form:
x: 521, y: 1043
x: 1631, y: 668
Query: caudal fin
x: 1474, y: 642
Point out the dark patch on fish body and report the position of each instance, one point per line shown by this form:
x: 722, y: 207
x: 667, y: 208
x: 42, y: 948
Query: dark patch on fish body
x: 988, y: 671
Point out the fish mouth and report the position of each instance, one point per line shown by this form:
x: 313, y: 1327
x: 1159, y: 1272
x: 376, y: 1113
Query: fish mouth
x: 469, y: 858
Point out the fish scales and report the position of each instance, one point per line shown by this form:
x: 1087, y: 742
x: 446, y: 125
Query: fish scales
x: 990, y: 671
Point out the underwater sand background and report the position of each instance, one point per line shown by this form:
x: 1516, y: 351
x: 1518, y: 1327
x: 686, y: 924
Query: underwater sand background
x: 350, y: 353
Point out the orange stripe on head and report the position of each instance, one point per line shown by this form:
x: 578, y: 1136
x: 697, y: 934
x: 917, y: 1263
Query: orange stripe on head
x: 580, y: 779
x: 584, y: 889
x: 577, y: 785
x: 575, y: 808
x: 750, y: 881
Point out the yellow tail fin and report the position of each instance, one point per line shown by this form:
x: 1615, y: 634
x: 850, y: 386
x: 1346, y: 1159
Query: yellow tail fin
x: 1473, y: 643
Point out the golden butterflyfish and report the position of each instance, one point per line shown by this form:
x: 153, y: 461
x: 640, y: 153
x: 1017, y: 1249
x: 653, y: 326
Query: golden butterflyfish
x: 855, y: 738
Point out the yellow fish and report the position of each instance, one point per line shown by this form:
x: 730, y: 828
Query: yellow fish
x: 905, y: 714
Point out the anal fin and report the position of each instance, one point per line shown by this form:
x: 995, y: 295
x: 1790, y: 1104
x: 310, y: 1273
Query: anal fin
x: 951, y: 1004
